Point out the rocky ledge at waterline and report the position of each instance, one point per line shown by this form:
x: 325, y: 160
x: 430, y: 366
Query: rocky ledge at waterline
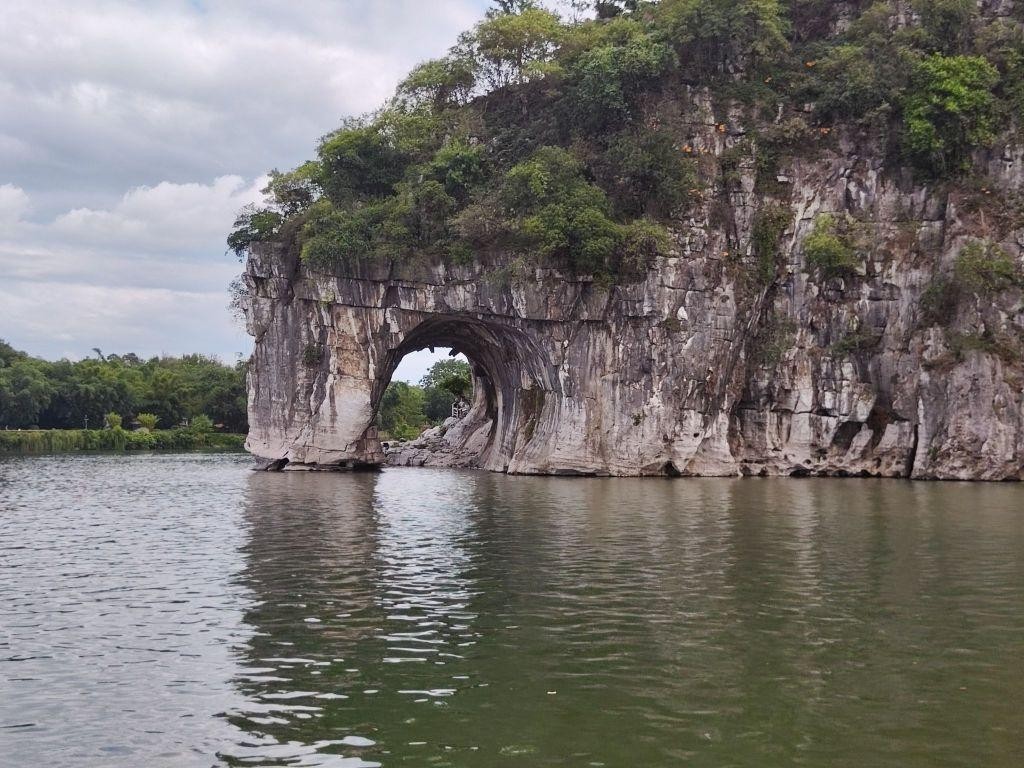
x: 696, y: 369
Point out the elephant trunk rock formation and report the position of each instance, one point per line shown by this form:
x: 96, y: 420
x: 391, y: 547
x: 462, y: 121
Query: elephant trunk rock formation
x: 696, y: 369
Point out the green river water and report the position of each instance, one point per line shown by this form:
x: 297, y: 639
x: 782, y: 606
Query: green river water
x: 181, y: 610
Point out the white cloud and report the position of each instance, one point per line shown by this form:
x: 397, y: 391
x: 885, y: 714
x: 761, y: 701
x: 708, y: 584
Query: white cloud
x: 14, y: 204
x: 113, y: 95
x: 166, y: 216
x: 69, y: 319
x: 148, y: 274
x: 147, y: 235
x: 132, y: 133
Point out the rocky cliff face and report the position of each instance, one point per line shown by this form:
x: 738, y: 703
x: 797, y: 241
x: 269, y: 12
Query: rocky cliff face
x: 697, y: 369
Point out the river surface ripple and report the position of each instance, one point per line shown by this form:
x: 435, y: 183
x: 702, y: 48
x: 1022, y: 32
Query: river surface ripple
x: 180, y: 610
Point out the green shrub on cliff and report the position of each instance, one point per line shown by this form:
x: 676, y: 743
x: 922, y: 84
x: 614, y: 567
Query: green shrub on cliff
x: 514, y: 46
x: 770, y: 224
x: 713, y: 35
x: 296, y: 190
x: 983, y: 268
x: 460, y: 162
x: 439, y: 83
x: 569, y: 219
x: 829, y: 248
x: 608, y: 79
x: 645, y: 173
x: 640, y: 243
x: 949, y: 111
x: 360, y: 162
x: 253, y: 225
x: 460, y: 167
x: 946, y: 24
x: 860, y: 82
x: 932, y: 85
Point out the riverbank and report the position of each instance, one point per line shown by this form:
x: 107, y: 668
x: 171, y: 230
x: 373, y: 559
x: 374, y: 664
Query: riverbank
x: 72, y: 440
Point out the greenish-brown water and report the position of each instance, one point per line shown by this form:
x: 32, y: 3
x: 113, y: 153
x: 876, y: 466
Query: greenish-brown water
x: 182, y: 610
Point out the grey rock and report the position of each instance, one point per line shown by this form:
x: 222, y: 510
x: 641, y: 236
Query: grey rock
x: 690, y: 371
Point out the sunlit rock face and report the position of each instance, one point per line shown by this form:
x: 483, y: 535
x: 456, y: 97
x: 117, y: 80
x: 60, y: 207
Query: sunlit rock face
x: 697, y: 369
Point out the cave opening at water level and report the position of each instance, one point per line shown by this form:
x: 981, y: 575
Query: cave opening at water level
x: 498, y: 407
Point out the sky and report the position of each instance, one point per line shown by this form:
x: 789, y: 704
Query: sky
x: 132, y: 132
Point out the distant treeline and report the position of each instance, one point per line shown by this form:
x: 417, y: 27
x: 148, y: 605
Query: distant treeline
x: 36, y: 393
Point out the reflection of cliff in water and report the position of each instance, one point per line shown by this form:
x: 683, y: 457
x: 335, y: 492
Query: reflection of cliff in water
x: 462, y: 618
x: 362, y: 606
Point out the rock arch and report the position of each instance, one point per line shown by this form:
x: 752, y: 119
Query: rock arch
x: 327, y: 346
x: 512, y: 376
x: 573, y: 378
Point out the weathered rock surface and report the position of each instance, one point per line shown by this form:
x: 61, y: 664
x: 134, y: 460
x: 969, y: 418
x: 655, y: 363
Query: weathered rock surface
x: 695, y: 370
x: 455, y: 443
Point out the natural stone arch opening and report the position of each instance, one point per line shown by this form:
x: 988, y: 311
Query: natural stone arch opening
x: 482, y: 396
x: 510, y: 377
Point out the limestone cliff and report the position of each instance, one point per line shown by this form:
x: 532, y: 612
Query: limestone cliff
x: 714, y: 361
x: 689, y: 371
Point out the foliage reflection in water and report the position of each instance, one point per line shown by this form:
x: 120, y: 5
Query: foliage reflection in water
x: 183, y: 611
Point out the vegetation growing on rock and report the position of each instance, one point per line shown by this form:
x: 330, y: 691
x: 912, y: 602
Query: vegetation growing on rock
x: 769, y: 225
x: 981, y: 270
x: 556, y: 140
x: 829, y: 248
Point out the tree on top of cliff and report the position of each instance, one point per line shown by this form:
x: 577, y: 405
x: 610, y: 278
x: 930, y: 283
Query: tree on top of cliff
x: 512, y: 47
x: 572, y: 142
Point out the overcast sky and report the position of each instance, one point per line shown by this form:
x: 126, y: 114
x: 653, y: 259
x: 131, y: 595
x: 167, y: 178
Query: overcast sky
x: 132, y: 132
